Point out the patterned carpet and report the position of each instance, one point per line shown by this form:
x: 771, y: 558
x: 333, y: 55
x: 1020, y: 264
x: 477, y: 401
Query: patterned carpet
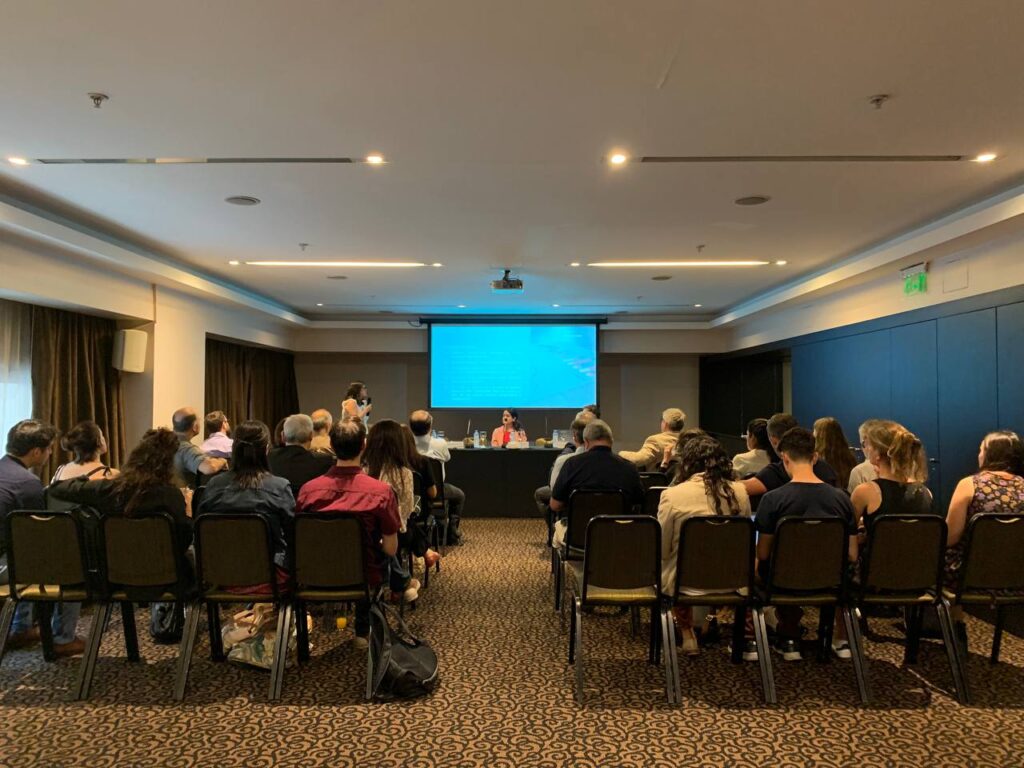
x: 505, y: 696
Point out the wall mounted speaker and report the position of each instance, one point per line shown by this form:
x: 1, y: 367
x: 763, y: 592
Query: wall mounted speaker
x: 130, y: 351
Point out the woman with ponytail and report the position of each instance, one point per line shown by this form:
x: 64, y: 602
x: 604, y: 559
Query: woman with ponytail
x: 250, y: 488
x: 705, y: 485
x: 898, y: 457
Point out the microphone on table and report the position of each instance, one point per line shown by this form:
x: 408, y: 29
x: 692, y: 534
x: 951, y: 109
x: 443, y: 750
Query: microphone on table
x: 469, y: 426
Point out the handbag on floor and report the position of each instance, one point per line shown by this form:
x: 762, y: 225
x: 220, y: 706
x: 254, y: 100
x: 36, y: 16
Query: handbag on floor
x: 166, y: 622
x: 251, y: 636
x: 404, y: 667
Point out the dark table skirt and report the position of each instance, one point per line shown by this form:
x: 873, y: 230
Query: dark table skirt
x: 499, y: 482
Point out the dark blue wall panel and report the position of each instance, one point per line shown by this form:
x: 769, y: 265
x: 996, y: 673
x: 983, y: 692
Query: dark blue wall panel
x: 1010, y: 350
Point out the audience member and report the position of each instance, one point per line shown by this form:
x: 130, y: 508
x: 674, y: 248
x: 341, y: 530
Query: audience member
x: 759, y: 452
x: 706, y: 485
x: 865, y: 470
x: 345, y: 489
x: 356, y: 404
x: 650, y: 455
x: 542, y: 495
x: 279, y: 434
x: 218, y: 435
x: 509, y: 431
x: 593, y: 409
x: 774, y: 475
x: 420, y: 423
x: 805, y: 495
x: 190, y: 461
x: 596, y: 469
x: 414, y: 538
x: 86, y: 443
x: 831, y: 445
x: 249, y: 487
x: 902, y: 470
x: 29, y: 445
x: 295, y: 462
x: 322, y: 423
x: 670, y: 460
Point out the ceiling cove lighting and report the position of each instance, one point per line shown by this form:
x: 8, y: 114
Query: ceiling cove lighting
x: 17, y: 161
x: 382, y: 264
x: 375, y: 159
x: 234, y: 262
x: 648, y: 264
x: 985, y: 157
x: 781, y: 263
x: 574, y: 264
x: 618, y: 158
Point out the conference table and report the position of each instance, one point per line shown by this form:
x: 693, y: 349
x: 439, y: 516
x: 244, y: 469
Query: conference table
x: 499, y: 482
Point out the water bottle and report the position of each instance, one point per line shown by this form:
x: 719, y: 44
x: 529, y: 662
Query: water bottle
x: 476, y: 438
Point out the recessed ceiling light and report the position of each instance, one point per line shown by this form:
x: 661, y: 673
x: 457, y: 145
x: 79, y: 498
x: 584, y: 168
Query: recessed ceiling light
x: 574, y: 264
x: 437, y: 264
x: 242, y: 200
x: 319, y: 303
x: 985, y: 157
x: 781, y: 263
x: 752, y: 200
x: 383, y: 264
x: 375, y: 159
x: 17, y: 161
x: 618, y: 158
x: 627, y: 264
x: 698, y: 306
x: 234, y: 262
x: 662, y: 277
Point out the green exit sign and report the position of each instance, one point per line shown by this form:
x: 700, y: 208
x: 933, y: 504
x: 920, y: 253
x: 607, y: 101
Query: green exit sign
x: 915, y: 284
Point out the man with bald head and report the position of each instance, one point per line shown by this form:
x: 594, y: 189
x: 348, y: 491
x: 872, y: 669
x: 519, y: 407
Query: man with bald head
x: 420, y: 423
x: 190, y: 461
x: 322, y: 423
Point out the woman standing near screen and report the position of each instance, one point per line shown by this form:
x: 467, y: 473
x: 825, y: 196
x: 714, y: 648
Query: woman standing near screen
x: 509, y: 430
x: 356, y: 404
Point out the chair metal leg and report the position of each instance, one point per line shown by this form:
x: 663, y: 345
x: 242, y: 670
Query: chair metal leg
x: 997, y: 635
x: 654, y: 643
x: 559, y: 575
x: 857, y: 654
x: 369, y: 664
x: 301, y: 632
x: 675, y: 694
x: 739, y: 638
x: 572, y: 637
x: 634, y: 621
x: 578, y: 610
x: 87, y: 668
x: 44, y: 615
x: 188, y: 644
x: 216, y: 640
x: 826, y: 622
x: 6, y: 619
x: 284, y: 630
x: 956, y: 663
x: 913, y: 618
x: 764, y: 660
x: 131, y: 635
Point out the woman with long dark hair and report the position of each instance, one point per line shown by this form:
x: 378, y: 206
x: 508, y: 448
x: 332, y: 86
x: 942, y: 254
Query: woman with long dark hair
x: 509, y: 431
x: 86, y: 444
x: 706, y: 485
x: 830, y: 444
x: 759, y: 453
x: 356, y: 403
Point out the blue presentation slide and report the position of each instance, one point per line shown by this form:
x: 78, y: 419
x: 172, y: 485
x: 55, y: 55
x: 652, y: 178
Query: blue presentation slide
x: 513, y: 366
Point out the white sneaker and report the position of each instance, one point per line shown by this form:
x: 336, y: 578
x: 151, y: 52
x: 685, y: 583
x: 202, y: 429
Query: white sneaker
x: 842, y: 650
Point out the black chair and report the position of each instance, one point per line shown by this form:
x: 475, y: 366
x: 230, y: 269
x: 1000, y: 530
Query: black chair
x: 808, y: 566
x: 622, y: 567
x: 327, y: 567
x: 652, y: 498
x: 438, y: 507
x: 47, y: 563
x: 584, y: 505
x: 651, y: 479
x: 716, y: 557
x: 902, y: 566
x: 234, y: 551
x: 992, y: 574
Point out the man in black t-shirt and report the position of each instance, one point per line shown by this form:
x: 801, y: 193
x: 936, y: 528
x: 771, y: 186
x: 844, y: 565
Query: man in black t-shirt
x: 774, y: 475
x: 804, y: 495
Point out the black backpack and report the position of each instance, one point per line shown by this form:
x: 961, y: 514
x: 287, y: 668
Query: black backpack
x: 404, y: 667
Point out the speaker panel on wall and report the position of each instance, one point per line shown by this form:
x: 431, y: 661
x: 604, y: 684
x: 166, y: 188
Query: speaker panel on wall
x: 130, y: 351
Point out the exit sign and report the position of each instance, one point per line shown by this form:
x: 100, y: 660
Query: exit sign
x: 915, y: 284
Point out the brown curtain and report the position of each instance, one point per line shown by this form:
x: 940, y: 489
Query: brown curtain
x: 73, y: 378
x: 250, y: 382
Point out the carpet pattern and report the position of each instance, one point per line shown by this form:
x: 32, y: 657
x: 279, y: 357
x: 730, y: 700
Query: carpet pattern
x: 505, y: 695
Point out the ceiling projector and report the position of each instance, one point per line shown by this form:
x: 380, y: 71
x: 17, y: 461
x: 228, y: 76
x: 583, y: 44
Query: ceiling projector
x: 507, y: 284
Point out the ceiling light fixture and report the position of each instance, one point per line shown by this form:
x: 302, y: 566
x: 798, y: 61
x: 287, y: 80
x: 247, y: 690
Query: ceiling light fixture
x: 752, y: 200
x: 985, y: 157
x: 234, y: 262
x: 17, y: 161
x: 698, y: 306
x: 574, y: 264
x: 319, y: 304
x: 437, y: 264
x: 375, y: 159
x: 781, y: 263
x: 384, y: 264
x: 628, y: 264
x: 242, y: 200
x: 618, y: 158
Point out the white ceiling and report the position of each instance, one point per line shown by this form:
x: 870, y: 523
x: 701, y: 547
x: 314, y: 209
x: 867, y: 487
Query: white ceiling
x: 495, y: 117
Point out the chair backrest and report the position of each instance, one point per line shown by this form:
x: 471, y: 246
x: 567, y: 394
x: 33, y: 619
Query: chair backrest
x: 809, y: 555
x: 651, y: 479
x: 141, y: 552
x: 437, y: 475
x: 904, y: 554
x: 328, y: 551
x: 622, y: 552
x: 234, y: 550
x: 716, y: 553
x: 993, y: 554
x: 586, y: 504
x: 46, y: 548
x: 652, y: 498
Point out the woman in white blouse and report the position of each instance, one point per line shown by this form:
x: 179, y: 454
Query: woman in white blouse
x: 759, y: 451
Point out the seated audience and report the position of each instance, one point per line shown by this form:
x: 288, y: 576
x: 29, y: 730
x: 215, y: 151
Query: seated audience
x: 420, y: 422
x: 650, y: 455
x: 249, y: 487
x: 322, y: 423
x: 542, y: 495
x: 759, y: 452
x: 805, y: 495
x: 831, y: 445
x: 509, y: 431
x: 902, y: 470
x: 865, y: 470
x: 774, y: 475
x: 670, y: 460
x: 190, y: 461
x: 218, y: 435
x: 415, y: 536
x: 593, y: 409
x: 705, y: 485
x: 84, y: 441
x: 29, y: 445
x: 295, y: 462
x: 345, y: 489
x: 356, y: 404
x: 279, y: 434
x: 596, y: 469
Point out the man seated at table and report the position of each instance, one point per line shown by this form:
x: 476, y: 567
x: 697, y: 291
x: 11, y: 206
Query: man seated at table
x: 650, y: 454
x: 420, y: 423
x: 596, y: 469
x: 542, y: 496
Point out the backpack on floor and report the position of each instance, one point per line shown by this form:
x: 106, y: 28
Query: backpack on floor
x: 166, y: 622
x: 404, y: 667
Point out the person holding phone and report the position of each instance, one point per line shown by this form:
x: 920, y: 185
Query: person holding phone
x: 510, y: 430
x: 357, y: 403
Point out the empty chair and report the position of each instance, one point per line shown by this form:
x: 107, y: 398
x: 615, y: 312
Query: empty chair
x: 651, y: 479
x: 652, y: 498
x: 622, y: 567
x: 584, y: 505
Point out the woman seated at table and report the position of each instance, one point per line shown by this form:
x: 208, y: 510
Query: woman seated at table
x: 509, y: 431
